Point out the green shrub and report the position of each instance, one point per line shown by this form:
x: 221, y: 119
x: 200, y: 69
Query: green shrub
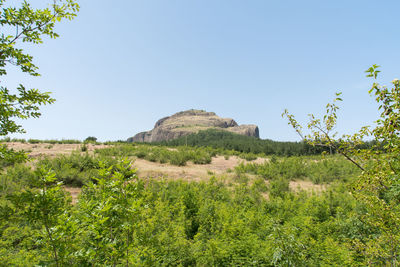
x: 141, y: 154
x: 84, y: 148
x: 9, y: 157
x: 318, y: 170
x: 178, y: 156
x: 279, y: 187
x: 202, y: 158
x: 75, y: 169
x: 153, y: 156
x: 19, y: 140
x: 248, y: 156
x: 178, y: 159
x: 16, y: 178
x: 241, y: 177
x: 259, y: 185
x: 69, y: 141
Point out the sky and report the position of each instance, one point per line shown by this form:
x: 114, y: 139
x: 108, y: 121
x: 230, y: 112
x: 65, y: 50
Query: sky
x: 119, y: 66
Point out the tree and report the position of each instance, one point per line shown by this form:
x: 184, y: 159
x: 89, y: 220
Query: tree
x: 25, y: 24
x: 90, y: 139
x: 378, y: 187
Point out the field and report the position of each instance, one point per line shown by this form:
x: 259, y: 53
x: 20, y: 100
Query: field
x: 153, y: 205
x: 220, y: 165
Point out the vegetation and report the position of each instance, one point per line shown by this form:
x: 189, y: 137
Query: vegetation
x: 316, y: 169
x: 246, y: 144
x: 37, y: 141
x: 117, y: 222
x: 91, y: 139
x: 176, y: 156
x: 378, y: 186
x: 120, y: 219
x: 75, y: 169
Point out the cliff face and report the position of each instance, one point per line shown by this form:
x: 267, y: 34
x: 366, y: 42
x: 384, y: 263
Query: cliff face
x: 191, y: 121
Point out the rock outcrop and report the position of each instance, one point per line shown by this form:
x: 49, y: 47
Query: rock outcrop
x: 191, y: 121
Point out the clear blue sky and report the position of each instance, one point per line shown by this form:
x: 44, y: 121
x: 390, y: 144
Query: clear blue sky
x: 121, y: 65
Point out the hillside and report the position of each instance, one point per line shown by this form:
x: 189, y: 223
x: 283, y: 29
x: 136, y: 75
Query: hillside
x: 189, y: 122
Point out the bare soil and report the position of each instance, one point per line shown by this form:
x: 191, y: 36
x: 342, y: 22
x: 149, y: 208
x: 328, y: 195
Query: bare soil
x: 190, y: 172
x: 74, y: 191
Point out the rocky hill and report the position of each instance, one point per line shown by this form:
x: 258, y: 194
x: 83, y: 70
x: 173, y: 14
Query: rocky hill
x: 191, y: 121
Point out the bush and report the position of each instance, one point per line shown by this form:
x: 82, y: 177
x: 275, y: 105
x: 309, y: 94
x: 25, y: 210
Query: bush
x: 178, y: 159
x: 84, y: 148
x: 279, y: 187
x: 75, y: 169
x: 178, y: 156
x: 16, y: 178
x: 248, y: 156
x: 318, y: 170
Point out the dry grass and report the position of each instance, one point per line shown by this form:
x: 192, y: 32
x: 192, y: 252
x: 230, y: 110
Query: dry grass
x: 191, y: 172
x: 44, y: 149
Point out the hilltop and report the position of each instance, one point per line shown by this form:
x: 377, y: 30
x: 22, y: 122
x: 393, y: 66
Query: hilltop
x: 192, y: 121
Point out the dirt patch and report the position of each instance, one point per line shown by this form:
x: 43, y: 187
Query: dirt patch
x: 190, y: 172
x: 300, y: 185
x: 74, y: 192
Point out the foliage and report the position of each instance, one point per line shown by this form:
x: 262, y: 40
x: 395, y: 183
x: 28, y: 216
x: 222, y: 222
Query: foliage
x: 15, y: 179
x: 279, y: 187
x: 245, y: 144
x: 90, y: 139
x: 122, y: 220
x: 316, y: 169
x: 10, y: 157
x: 44, y: 207
x: 113, y: 207
x: 24, y: 24
x: 176, y: 156
x: 75, y: 169
x: 37, y: 141
x: 84, y: 148
x: 378, y: 185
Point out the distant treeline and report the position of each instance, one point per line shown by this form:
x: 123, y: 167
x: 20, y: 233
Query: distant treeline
x: 38, y: 141
x: 90, y: 139
x: 231, y: 141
